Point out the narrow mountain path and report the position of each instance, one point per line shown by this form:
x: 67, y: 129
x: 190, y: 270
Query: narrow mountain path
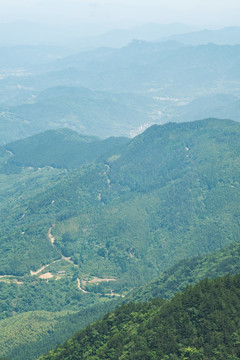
x: 43, y: 268
x: 79, y: 287
x: 51, y: 237
x: 69, y: 260
x: 106, y: 174
x: 52, y: 240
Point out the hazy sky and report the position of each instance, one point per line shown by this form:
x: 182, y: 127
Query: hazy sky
x: 122, y: 13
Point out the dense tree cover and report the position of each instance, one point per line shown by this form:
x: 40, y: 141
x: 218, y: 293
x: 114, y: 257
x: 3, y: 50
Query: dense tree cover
x: 189, y: 271
x: 200, y: 323
x: 173, y: 195
x: 32, y: 294
x: 62, y: 148
x: 170, y: 194
x: 29, y: 335
x: 49, y: 296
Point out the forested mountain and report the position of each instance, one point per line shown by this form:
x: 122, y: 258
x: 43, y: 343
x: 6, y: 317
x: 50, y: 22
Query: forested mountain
x: 115, y: 198
x: 188, y: 272
x: 217, y: 105
x: 200, y: 323
x: 62, y: 148
x: 161, y: 183
x: 75, y: 237
x: 49, y: 329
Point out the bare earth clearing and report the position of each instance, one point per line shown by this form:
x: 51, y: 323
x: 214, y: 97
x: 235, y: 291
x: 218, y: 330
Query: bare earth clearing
x: 46, y: 276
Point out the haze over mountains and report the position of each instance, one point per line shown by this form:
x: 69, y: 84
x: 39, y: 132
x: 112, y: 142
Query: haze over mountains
x: 84, y: 37
x: 119, y: 173
x: 124, y: 90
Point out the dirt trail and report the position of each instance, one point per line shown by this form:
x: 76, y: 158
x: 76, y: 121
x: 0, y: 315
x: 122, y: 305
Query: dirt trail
x: 43, y: 267
x: 79, y: 287
x: 51, y: 237
x: 69, y: 260
x: 39, y: 270
x: 54, y: 262
x: 106, y: 174
x: 52, y: 240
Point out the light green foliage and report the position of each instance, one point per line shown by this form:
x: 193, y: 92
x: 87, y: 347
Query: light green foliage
x: 29, y: 335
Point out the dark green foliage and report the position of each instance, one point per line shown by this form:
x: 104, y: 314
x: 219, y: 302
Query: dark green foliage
x: 165, y: 203
x: 59, y: 148
x: 34, y: 294
x: 30, y: 335
x: 189, y: 271
x: 171, y: 193
x: 200, y: 323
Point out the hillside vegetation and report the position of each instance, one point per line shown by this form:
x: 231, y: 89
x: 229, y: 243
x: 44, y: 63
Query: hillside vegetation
x: 63, y: 148
x: 63, y: 325
x: 74, y: 237
x: 200, y: 323
x: 169, y: 194
x: 188, y: 272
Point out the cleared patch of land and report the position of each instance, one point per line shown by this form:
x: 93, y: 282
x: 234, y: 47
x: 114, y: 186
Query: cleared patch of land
x: 46, y: 276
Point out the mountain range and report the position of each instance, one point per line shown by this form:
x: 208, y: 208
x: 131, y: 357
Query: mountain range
x: 119, y: 207
x: 120, y: 92
x: 78, y: 234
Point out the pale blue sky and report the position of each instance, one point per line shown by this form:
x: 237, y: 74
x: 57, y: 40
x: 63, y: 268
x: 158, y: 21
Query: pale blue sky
x: 123, y: 13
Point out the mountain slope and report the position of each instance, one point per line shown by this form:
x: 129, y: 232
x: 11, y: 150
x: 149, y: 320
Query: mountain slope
x: 171, y: 193
x: 227, y: 35
x: 62, y: 148
x: 29, y: 335
x: 188, y: 272
x: 200, y: 323
x: 71, y: 239
x: 172, y: 281
x: 221, y: 106
x: 167, y: 69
